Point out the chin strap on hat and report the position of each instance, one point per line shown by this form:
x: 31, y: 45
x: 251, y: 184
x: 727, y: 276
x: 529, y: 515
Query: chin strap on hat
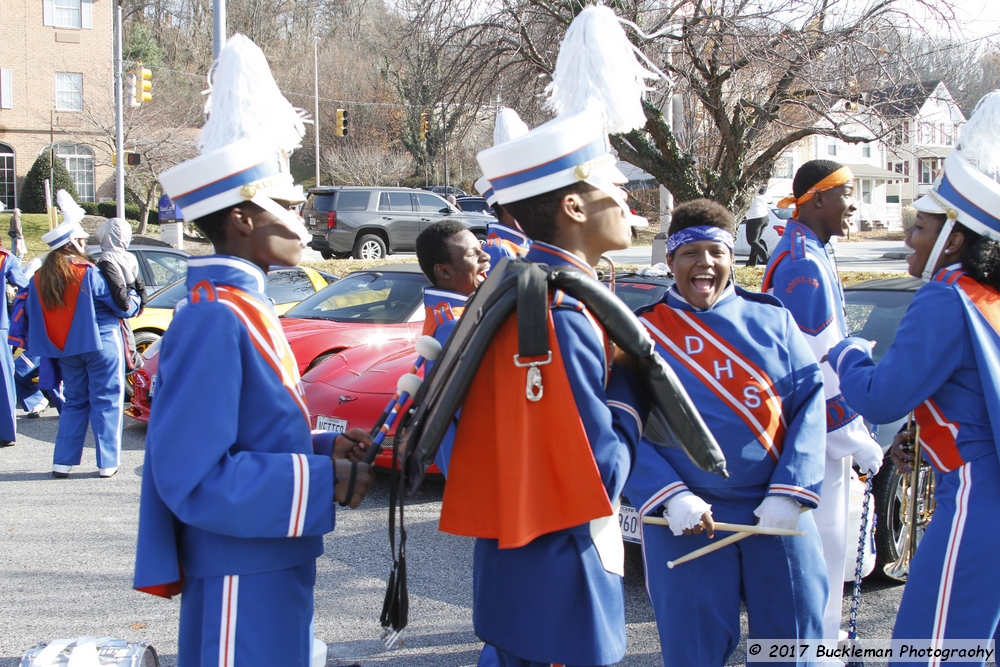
x: 939, y: 244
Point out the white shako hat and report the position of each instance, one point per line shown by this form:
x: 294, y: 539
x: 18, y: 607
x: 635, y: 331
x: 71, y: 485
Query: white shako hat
x: 967, y: 190
x: 245, y: 143
x: 70, y: 227
x: 596, y: 89
x: 508, y: 126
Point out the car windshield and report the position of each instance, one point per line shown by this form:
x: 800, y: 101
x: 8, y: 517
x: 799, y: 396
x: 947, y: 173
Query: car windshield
x: 370, y: 297
x: 639, y: 295
x: 875, y: 315
x: 169, y: 296
x: 783, y: 213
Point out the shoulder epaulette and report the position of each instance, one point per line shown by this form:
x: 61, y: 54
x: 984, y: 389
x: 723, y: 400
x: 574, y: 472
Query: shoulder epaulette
x: 759, y: 297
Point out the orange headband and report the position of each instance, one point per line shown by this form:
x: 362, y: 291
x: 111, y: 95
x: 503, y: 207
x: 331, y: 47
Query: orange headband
x: 836, y: 179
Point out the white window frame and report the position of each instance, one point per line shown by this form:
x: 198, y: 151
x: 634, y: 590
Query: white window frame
x: 68, y: 13
x: 66, y: 86
x: 6, y: 89
x: 79, y: 161
x: 866, y: 150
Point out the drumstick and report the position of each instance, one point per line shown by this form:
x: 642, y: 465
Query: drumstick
x: 733, y: 527
x: 697, y: 553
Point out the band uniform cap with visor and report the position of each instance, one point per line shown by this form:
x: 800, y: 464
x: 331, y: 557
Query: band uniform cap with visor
x: 967, y: 191
x: 596, y: 88
x: 508, y: 126
x: 245, y: 143
x: 70, y: 227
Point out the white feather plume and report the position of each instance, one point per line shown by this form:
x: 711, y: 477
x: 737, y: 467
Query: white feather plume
x: 244, y: 102
x: 597, y: 66
x: 508, y: 126
x: 980, y: 140
x: 72, y: 212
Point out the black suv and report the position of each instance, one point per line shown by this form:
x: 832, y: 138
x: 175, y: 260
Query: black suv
x: 371, y: 222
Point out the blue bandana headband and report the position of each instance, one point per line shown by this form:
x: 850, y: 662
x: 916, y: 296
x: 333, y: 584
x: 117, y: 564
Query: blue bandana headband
x: 699, y: 233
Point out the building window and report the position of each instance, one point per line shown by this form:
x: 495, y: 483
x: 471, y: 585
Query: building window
x: 8, y: 177
x: 79, y: 161
x: 68, y: 13
x: 892, y: 199
x: 866, y: 190
x: 783, y: 168
x: 6, y: 89
x: 928, y: 171
x: 831, y: 148
x: 901, y: 134
x: 866, y: 150
x: 949, y: 136
x: 69, y: 91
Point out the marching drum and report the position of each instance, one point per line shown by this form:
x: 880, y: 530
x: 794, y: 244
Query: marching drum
x: 91, y: 652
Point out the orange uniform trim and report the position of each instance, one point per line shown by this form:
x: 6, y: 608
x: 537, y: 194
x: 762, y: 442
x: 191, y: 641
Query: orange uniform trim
x: 937, y: 436
x: 520, y: 469
x: 59, y: 321
x: 265, y: 333
x: 735, y: 380
x: 435, y: 316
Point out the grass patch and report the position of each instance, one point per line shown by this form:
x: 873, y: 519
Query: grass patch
x: 33, y: 225
x: 342, y: 267
x: 750, y: 277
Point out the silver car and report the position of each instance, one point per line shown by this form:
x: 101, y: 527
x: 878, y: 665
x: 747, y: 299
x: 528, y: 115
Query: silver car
x: 371, y: 222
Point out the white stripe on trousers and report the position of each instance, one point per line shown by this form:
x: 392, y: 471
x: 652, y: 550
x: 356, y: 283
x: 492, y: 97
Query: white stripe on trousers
x: 227, y: 624
x: 950, y: 558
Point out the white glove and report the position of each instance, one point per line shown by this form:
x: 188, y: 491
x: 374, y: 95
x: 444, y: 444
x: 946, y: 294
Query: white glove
x: 778, y: 512
x: 869, y: 457
x: 684, y: 512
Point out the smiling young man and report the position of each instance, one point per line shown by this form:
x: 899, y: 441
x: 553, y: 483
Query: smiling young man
x: 803, y: 277
x: 236, y: 492
x: 755, y: 381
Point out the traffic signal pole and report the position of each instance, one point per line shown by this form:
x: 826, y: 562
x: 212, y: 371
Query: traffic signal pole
x: 119, y: 121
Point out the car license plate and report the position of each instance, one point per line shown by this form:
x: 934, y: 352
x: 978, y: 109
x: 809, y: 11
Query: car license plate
x: 630, y: 524
x: 331, y: 424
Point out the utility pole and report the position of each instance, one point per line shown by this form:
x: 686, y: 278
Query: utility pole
x: 316, y: 100
x: 119, y: 121
x: 218, y: 28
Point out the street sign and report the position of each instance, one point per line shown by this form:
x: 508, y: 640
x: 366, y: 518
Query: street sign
x: 167, y: 210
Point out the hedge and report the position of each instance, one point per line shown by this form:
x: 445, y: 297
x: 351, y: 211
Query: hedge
x: 109, y: 209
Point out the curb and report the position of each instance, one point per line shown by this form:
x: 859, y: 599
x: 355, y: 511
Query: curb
x: 897, y: 254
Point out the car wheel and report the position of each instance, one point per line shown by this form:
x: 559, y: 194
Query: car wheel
x: 143, y: 339
x: 890, y: 536
x: 326, y: 254
x: 369, y: 246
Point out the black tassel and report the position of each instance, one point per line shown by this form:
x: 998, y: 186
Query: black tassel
x: 396, y: 607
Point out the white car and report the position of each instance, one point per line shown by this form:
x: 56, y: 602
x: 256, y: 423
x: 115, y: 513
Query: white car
x: 776, y: 221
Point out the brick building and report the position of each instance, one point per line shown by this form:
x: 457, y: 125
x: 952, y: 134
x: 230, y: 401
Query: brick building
x: 56, y: 89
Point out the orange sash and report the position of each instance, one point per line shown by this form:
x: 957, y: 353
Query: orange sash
x: 59, y: 321
x: 735, y: 380
x: 265, y: 332
x: 520, y: 469
x: 437, y: 315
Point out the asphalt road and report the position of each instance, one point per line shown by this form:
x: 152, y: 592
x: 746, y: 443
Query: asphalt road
x: 67, y: 548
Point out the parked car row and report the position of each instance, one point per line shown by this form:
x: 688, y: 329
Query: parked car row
x: 370, y: 222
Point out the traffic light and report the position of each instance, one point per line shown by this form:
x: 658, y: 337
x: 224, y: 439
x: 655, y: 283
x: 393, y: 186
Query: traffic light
x: 424, y: 125
x: 341, y: 123
x: 129, y: 96
x: 143, y: 84
x: 132, y: 159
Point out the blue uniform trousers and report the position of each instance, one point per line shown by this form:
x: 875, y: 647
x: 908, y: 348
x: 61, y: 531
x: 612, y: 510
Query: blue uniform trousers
x: 781, y: 580
x: 94, y: 386
x: 8, y: 402
x: 505, y: 659
x: 248, y: 620
x: 953, y: 588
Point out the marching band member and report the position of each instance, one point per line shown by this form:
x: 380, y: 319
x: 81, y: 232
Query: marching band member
x: 73, y: 317
x: 547, y: 586
x: 504, y: 238
x: 755, y: 381
x: 802, y: 276
x: 10, y: 273
x: 235, y: 502
x: 944, y: 365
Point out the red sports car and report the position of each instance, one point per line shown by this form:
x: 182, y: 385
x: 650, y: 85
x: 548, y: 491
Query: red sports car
x: 354, y: 388
x: 369, y: 308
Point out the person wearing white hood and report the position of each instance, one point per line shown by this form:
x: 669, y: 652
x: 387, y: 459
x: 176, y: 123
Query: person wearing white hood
x: 12, y: 273
x: 120, y: 269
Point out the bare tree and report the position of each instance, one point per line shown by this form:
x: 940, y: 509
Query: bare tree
x: 352, y: 164
x: 754, y: 77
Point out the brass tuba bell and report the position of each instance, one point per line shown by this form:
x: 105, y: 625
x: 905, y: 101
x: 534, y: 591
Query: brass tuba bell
x: 917, y: 506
